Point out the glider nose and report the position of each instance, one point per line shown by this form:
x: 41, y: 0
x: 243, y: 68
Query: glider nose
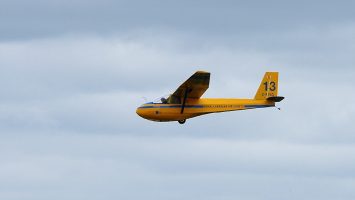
x: 140, y: 112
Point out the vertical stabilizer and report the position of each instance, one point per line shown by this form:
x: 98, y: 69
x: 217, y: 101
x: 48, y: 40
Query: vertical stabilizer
x: 268, y: 86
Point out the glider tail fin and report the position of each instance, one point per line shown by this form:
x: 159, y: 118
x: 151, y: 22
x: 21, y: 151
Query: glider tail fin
x: 268, y: 87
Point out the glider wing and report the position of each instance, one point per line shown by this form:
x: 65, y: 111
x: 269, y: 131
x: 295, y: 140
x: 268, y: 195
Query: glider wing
x: 195, y: 86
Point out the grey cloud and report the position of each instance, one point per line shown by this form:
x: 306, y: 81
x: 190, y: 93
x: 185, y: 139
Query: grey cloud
x: 35, y: 19
x: 73, y: 73
x: 95, y: 84
x: 90, y: 64
x: 82, y: 166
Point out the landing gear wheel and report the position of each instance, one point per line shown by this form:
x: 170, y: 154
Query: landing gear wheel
x: 182, y: 121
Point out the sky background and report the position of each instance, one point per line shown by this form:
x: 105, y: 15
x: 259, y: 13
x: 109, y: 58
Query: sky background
x: 73, y: 72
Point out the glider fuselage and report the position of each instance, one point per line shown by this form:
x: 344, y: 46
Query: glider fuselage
x: 186, y: 101
x: 196, y: 107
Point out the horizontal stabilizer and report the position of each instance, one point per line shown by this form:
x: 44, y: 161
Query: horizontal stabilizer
x: 275, y: 99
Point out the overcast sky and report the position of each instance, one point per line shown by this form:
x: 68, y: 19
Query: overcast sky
x: 73, y: 72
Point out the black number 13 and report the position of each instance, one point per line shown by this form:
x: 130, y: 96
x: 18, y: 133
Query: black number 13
x: 270, y: 86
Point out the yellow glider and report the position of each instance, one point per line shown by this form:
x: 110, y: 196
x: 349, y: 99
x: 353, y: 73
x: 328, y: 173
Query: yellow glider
x: 186, y: 101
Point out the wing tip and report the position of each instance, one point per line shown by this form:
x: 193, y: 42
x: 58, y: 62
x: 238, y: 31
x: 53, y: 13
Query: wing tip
x: 202, y: 72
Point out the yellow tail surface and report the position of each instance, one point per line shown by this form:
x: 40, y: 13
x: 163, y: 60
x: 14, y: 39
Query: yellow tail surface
x: 268, y: 86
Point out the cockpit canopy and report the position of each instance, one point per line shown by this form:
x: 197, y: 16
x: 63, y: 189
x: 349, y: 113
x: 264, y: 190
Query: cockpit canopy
x: 168, y: 99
